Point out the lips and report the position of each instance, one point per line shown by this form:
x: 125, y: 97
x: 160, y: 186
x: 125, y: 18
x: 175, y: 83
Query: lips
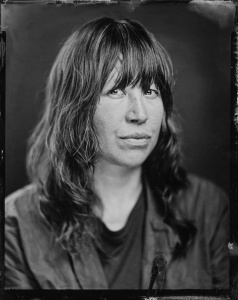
x: 136, y: 140
x: 136, y: 135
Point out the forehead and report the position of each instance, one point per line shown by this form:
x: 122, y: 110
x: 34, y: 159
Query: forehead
x: 132, y: 66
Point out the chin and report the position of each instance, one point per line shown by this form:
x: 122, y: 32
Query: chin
x: 131, y: 162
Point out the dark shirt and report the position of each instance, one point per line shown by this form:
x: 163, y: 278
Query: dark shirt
x: 123, y: 250
x: 35, y: 259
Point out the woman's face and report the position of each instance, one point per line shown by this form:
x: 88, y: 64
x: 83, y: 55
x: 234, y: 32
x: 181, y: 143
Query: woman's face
x: 128, y: 123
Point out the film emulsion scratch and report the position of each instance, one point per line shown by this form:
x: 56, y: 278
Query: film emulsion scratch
x: 63, y: 2
x: 234, y: 162
x: 107, y: 130
x: 2, y: 149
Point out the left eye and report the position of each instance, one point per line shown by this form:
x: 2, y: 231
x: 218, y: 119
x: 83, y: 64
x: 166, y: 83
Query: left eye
x: 151, y: 93
x: 116, y: 94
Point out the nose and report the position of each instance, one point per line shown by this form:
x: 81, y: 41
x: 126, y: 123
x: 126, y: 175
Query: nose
x: 136, y: 112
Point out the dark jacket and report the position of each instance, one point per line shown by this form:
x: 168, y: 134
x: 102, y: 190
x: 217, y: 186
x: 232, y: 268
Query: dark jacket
x: 34, y: 259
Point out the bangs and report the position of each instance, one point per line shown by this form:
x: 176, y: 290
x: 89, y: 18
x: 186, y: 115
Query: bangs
x: 136, y: 55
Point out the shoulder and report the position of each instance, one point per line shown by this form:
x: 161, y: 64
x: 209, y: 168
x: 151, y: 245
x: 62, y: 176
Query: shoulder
x: 28, y: 242
x: 22, y: 207
x: 21, y: 200
x: 22, y: 211
x: 202, y: 196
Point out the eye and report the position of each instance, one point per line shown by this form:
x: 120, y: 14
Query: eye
x: 116, y: 94
x: 152, y: 93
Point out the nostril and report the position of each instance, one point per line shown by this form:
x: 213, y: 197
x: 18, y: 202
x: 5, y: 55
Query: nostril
x: 134, y: 121
x: 136, y: 116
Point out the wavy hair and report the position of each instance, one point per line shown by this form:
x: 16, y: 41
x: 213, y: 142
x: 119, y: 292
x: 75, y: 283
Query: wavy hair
x: 63, y: 147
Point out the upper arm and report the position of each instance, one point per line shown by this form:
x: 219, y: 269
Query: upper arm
x: 218, y: 228
x: 17, y: 272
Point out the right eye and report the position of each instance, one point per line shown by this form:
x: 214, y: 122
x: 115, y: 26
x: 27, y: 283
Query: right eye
x: 116, y: 94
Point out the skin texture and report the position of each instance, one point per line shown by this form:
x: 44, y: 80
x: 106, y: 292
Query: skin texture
x: 120, y: 114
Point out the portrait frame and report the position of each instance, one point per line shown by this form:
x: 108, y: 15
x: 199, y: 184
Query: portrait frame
x: 208, y: 12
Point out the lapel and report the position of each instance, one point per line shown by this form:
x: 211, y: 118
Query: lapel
x: 158, y: 239
x: 88, y: 269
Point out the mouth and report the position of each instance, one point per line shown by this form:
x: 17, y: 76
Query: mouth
x: 136, y: 139
x: 136, y: 136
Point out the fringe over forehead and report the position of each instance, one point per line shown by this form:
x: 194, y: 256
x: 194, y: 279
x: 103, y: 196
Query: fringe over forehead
x: 101, y: 43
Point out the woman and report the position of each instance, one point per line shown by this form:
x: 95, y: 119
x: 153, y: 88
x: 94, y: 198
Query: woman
x: 108, y: 192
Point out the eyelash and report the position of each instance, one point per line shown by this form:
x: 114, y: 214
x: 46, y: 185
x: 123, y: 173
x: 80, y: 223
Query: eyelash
x: 155, y: 91
x: 115, y: 90
x: 123, y: 91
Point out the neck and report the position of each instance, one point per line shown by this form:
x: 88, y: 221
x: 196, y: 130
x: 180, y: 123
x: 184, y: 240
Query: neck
x: 118, y: 189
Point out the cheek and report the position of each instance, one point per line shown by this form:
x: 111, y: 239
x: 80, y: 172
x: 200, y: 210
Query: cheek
x: 103, y: 122
x: 99, y: 124
x: 98, y: 121
x: 157, y: 117
x: 108, y: 117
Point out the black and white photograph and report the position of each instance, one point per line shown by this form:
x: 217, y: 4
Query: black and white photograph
x: 118, y: 146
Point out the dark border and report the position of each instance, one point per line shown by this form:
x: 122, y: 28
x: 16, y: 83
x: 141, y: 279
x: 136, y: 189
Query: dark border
x: 234, y: 160
x: 2, y: 149
x: 232, y: 293
x: 115, y: 294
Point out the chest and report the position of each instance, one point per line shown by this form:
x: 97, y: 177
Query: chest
x: 85, y: 270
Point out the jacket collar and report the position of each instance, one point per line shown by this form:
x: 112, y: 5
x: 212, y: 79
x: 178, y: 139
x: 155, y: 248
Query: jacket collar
x: 158, y: 238
x: 88, y: 270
